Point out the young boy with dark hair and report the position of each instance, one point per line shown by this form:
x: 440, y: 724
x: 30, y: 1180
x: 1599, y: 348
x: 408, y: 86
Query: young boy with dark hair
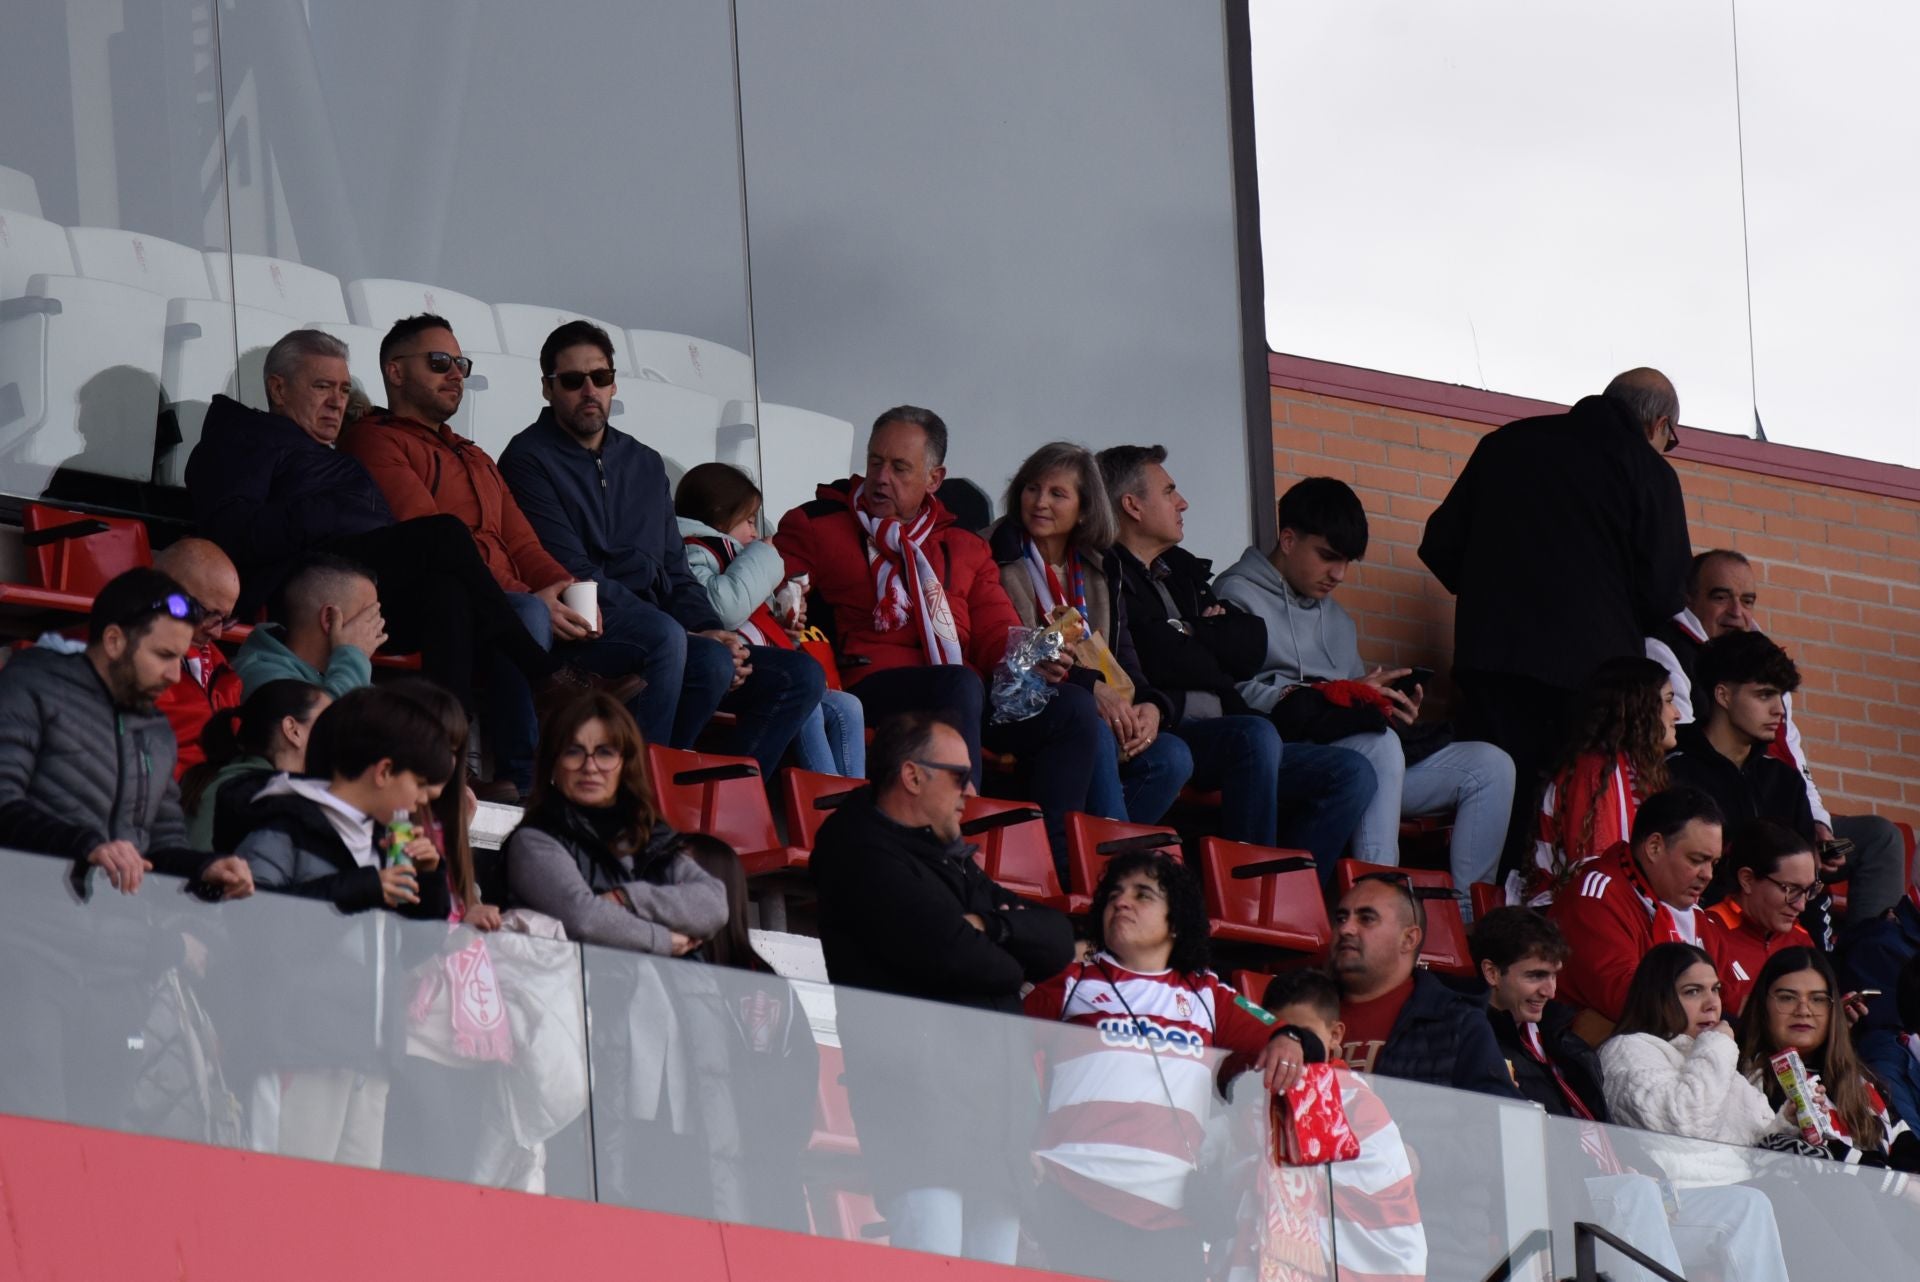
x: 341, y: 834
x: 1741, y: 680
x: 1376, y: 1215
x: 1519, y: 954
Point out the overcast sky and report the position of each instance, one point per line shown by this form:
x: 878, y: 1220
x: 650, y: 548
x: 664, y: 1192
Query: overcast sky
x: 1529, y: 196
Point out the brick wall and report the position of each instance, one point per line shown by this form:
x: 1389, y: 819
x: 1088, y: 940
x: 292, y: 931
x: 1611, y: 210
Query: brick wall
x: 1839, y: 572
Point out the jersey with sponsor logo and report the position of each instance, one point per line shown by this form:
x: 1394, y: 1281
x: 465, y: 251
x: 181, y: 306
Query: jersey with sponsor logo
x: 1610, y: 922
x: 1127, y: 1101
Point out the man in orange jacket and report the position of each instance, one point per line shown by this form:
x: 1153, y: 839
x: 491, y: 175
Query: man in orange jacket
x: 425, y: 468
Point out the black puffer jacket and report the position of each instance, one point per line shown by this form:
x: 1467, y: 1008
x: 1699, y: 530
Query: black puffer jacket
x: 1443, y: 1039
x: 1576, y: 1060
x: 941, y: 1097
x: 1211, y: 653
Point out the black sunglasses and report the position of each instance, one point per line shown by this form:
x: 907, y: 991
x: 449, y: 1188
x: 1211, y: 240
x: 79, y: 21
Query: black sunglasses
x: 962, y: 775
x: 441, y: 362
x: 573, y: 380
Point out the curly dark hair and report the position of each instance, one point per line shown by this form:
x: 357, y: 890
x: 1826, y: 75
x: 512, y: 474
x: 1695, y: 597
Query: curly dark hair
x: 1619, y: 711
x: 1186, y: 911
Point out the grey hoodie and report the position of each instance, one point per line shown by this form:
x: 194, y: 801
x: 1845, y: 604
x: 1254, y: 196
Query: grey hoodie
x: 1307, y: 639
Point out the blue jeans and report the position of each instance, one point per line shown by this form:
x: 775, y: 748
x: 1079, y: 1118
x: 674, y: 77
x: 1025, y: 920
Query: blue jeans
x: 768, y: 711
x: 1321, y: 791
x: 833, y: 740
x: 976, y: 1226
x: 511, y: 722
x: 1142, y: 790
x: 1473, y: 780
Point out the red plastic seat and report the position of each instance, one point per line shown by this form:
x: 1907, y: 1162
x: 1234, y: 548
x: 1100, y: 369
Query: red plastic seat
x: 832, y: 1116
x: 724, y: 798
x: 807, y: 797
x: 1485, y: 898
x: 1445, y: 946
x: 1262, y: 895
x: 1092, y: 841
x: 847, y: 1214
x: 80, y: 553
x: 1252, y: 984
x: 1010, y: 845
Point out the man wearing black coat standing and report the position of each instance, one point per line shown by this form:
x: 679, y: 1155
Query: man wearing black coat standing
x: 1565, y: 540
x: 943, y: 1100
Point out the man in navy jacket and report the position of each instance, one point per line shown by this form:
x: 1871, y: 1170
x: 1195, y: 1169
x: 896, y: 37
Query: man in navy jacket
x: 599, y: 500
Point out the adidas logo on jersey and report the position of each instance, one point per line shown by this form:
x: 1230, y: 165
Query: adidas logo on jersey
x: 1594, y: 884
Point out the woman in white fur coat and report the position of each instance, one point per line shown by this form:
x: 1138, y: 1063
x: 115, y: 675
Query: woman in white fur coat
x: 1673, y: 1067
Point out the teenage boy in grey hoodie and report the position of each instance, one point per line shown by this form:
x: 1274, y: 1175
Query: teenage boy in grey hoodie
x: 1311, y: 639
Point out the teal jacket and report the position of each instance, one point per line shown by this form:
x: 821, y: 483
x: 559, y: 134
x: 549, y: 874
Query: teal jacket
x: 264, y: 657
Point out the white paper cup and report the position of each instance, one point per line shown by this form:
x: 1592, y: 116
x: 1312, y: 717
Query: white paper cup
x: 584, y: 600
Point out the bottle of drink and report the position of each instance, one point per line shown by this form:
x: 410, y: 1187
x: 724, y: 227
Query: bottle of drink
x: 400, y: 833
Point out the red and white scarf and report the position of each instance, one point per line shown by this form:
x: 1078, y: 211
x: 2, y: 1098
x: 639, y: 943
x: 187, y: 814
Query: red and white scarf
x: 896, y: 558
x: 1048, y: 591
x: 1668, y: 926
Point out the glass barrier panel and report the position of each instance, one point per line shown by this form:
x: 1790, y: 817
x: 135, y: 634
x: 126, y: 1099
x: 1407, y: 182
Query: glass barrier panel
x: 509, y: 168
x: 280, y: 1025
x: 1704, y: 1209
x: 1520, y: 197
x: 1027, y: 225
x: 1477, y: 1200
x: 112, y: 197
x: 726, y: 1094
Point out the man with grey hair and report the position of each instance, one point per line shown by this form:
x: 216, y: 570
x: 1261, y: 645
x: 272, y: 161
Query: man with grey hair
x: 271, y: 490
x: 1565, y: 540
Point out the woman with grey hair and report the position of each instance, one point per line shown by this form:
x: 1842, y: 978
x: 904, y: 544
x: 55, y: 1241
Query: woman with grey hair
x: 1051, y: 547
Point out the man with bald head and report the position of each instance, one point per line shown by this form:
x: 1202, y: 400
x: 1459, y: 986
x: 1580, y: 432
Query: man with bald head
x: 1565, y: 541
x: 207, y: 684
x: 1400, y: 1020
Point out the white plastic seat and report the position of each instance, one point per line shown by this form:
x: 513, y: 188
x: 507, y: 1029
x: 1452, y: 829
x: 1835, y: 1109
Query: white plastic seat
x: 524, y: 328
x: 81, y: 355
x: 790, y: 452
x: 162, y: 267
x: 502, y: 399
x: 19, y: 193
x: 379, y: 302
x: 679, y: 422
x: 278, y: 285
x: 722, y: 372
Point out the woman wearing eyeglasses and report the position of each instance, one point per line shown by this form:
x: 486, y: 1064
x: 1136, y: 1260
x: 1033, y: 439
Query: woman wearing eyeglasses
x: 592, y: 851
x: 1772, y: 875
x: 1798, y: 1006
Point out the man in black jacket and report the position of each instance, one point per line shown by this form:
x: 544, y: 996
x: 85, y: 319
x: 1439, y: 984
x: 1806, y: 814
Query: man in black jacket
x: 1195, y: 651
x: 1741, y: 683
x: 1565, y: 540
x: 943, y: 1099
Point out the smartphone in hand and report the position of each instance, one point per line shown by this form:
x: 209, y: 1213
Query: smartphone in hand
x: 1418, y: 677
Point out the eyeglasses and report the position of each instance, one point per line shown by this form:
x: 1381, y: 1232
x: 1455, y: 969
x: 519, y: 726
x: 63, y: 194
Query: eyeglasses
x: 962, y: 774
x: 1787, y: 999
x: 218, y: 619
x: 606, y: 756
x: 1673, y: 438
x: 441, y: 362
x: 1796, y: 894
x: 573, y: 380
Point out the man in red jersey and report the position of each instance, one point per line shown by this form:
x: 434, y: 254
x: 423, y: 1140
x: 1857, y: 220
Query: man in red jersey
x: 1636, y: 895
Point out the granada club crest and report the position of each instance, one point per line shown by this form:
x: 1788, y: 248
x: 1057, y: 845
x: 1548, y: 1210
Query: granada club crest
x: 937, y: 607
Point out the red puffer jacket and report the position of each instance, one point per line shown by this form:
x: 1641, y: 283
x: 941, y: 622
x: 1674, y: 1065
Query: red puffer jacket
x: 823, y: 539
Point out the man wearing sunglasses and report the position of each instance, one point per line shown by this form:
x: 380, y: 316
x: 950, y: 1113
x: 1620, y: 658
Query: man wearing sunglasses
x: 905, y: 910
x: 1565, y: 540
x: 599, y: 500
x: 424, y: 468
x: 86, y: 775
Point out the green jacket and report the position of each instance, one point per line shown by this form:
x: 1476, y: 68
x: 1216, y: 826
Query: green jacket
x: 264, y: 657
x: 200, y: 823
